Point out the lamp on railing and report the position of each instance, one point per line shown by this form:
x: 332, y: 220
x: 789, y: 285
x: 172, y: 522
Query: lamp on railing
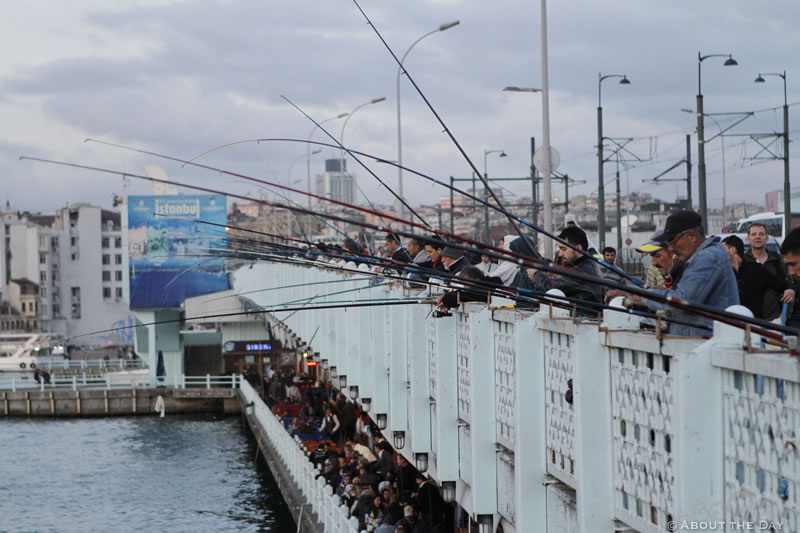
x: 354, y: 392
x: 325, y: 364
x: 485, y: 523
x: 381, y: 420
x: 343, y: 381
x: 316, y: 357
x: 334, y: 373
x: 449, y: 491
x: 366, y: 404
x: 399, y: 438
x: 249, y: 408
x: 421, y: 459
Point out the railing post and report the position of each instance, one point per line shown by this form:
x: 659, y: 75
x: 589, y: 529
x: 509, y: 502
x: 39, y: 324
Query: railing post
x: 594, y: 451
x: 530, y: 466
x: 208, y: 381
x: 14, y: 384
x: 84, y: 378
x: 75, y: 381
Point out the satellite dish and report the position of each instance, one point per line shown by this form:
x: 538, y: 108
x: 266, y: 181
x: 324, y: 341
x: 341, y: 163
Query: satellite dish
x: 160, y: 189
x: 538, y: 159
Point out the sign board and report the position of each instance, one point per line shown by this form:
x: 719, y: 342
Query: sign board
x: 171, y: 253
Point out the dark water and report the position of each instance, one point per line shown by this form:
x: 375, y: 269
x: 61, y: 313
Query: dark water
x: 173, y: 474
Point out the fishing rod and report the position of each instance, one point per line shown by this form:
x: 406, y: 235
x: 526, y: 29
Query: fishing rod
x: 705, y: 311
x: 530, y: 296
x: 358, y: 208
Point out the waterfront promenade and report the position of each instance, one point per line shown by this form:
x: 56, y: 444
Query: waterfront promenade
x: 539, y: 421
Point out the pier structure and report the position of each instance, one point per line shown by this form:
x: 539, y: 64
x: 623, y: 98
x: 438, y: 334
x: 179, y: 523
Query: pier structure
x: 541, y: 421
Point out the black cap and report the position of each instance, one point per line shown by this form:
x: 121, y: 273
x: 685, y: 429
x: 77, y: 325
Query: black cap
x: 452, y: 253
x: 681, y: 221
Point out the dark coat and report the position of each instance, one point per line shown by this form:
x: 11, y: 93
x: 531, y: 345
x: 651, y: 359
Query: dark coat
x: 754, y: 281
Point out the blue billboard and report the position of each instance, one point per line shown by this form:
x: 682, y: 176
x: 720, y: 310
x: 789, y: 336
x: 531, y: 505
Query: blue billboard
x: 172, y: 256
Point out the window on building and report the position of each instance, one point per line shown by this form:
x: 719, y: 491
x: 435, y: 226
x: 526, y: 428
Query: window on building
x: 75, y: 256
x: 55, y: 275
x: 44, y: 309
x: 23, y: 307
x: 42, y: 258
x: 106, y: 275
x: 118, y: 242
x: 43, y: 292
x: 106, y: 259
x: 118, y: 291
x: 104, y: 242
x: 118, y: 275
x: 73, y: 241
x: 43, y: 275
x: 43, y: 242
x: 76, y: 310
x: 106, y: 292
x: 37, y: 307
x: 76, y: 294
x: 54, y: 243
x: 56, y: 310
x: 118, y: 259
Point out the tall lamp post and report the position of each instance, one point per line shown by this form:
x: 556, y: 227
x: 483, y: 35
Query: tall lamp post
x: 442, y: 27
x: 308, y: 163
x: 349, y: 116
x: 701, y: 151
x: 601, y: 188
x: 787, y: 191
x: 534, y: 200
x: 486, y: 188
x: 724, y: 178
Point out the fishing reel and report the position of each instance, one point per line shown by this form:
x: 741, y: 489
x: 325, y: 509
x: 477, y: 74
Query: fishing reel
x: 441, y: 314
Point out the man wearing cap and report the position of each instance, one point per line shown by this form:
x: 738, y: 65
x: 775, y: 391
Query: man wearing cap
x: 708, y: 278
x: 453, y: 260
x: 663, y: 272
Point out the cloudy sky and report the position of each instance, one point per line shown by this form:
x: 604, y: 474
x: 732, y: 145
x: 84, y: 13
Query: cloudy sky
x: 181, y: 77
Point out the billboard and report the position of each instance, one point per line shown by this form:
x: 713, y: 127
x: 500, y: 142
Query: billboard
x: 172, y: 257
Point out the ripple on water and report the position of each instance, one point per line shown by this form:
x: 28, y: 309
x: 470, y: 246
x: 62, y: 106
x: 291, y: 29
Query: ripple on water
x: 134, y: 474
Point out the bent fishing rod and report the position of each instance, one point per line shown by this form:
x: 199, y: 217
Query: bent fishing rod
x: 519, y: 294
x: 706, y: 311
x: 483, y: 202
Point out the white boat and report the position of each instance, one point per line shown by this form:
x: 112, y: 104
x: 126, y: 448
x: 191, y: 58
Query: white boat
x: 23, y: 352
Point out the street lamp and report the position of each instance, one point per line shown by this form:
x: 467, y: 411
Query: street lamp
x: 724, y: 179
x: 486, y: 188
x: 787, y: 192
x: 443, y: 27
x: 701, y: 151
x: 341, y: 135
x: 601, y: 188
x: 308, y: 164
x: 534, y: 199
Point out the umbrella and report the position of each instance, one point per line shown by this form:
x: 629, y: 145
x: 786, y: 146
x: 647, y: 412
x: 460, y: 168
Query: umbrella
x: 160, y: 372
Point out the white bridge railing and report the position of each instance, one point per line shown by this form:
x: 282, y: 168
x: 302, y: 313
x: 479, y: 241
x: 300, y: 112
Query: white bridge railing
x: 325, y: 504
x: 117, y: 380
x: 632, y: 431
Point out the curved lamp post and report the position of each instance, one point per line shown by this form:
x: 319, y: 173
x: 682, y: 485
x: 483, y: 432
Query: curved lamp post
x: 442, y: 27
x: 601, y: 188
x: 701, y: 151
x: 787, y: 191
x: 308, y: 164
x: 349, y: 116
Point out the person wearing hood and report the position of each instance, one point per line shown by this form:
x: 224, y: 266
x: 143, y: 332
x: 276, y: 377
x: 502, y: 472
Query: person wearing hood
x: 507, y: 269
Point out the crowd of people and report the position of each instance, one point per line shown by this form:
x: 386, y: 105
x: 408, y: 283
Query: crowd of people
x: 686, y: 264
x: 379, y: 487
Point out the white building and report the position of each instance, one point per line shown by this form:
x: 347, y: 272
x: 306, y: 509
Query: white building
x: 77, y: 259
x: 336, y: 183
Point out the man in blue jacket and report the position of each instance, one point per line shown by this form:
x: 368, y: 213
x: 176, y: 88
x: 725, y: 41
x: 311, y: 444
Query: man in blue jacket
x: 708, y: 277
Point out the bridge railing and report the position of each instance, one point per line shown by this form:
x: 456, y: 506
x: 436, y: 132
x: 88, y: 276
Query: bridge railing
x: 507, y: 406
x: 114, y: 364
x: 117, y: 381
x: 294, y: 456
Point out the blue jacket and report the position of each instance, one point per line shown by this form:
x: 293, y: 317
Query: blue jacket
x: 708, y: 279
